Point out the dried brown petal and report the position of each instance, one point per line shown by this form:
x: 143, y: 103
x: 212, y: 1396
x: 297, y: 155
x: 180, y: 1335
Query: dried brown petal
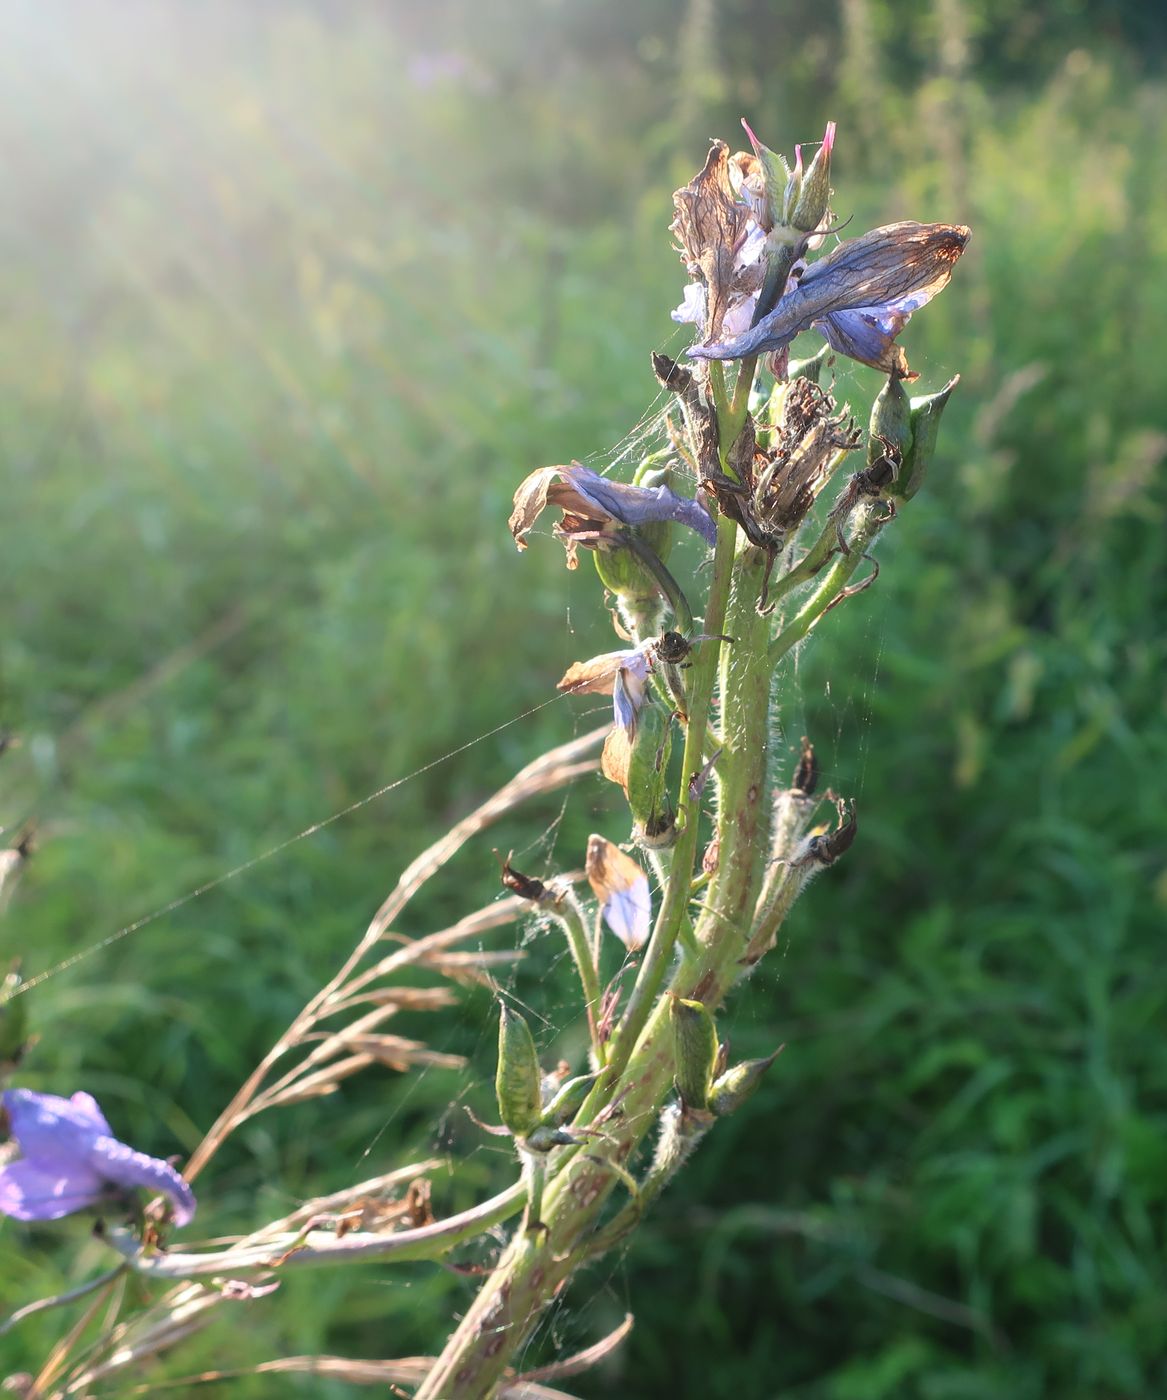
x: 709, y: 223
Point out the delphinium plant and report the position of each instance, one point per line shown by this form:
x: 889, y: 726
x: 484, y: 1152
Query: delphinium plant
x: 787, y: 496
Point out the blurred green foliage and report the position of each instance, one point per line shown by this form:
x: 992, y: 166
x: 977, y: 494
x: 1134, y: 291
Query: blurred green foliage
x: 293, y: 295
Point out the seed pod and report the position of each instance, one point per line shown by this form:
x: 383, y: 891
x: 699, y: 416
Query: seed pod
x: 926, y: 414
x: 736, y: 1085
x: 648, y: 777
x: 618, y: 567
x: 890, y: 431
x: 815, y: 192
x: 810, y: 368
x: 518, y: 1080
x: 695, y: 1046
x: 568, y: 1101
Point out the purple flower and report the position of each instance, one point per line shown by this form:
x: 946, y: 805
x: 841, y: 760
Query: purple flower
x: 859, y: 296
x: 70, y: 1160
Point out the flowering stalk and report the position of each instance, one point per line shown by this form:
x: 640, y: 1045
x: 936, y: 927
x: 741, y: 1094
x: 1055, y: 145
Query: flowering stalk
x: 744, y: 241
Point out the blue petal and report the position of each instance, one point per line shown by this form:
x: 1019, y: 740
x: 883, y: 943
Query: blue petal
x: 876, y: 273
x: 641, y: 505
x: 628, y: 913
x: 122, y: 1165
x: 29, y: 1192
x: 628, y: 692
x: 52, y: 1130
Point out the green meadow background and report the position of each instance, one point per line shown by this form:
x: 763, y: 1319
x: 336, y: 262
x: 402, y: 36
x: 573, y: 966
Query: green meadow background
x: 291, y: 296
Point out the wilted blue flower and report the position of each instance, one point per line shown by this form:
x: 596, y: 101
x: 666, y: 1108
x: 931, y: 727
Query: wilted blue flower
x: 859, y: 296
x: 594, y: 508
x: 622, y: 889
x: 70, y: 1160
x: 621, y: 674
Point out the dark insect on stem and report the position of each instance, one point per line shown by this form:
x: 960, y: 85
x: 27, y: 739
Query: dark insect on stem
x: 525, y: 886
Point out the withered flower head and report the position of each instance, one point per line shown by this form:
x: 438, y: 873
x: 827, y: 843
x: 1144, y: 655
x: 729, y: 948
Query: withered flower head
x: 809, y: 437
x: 860, y: 296
x: 595, y: 509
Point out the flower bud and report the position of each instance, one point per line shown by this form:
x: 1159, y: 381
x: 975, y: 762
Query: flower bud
x: 815, y: 193
x: 794, y: 199
x: 736, y: 1085
x: 780, y: 184
x: 925, y: 414
x: 696, y: 1048
x: 518, y: 1080
x: 648, y: 778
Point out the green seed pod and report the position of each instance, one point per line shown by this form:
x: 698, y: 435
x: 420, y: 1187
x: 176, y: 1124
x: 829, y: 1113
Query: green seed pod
x: 648, y: 777
x: 568, y: 1101
x: 890, y: 431
x: 518, y: 1080
x: 926, y: 413
x: 815, y: 193
x: 695, y: 1045
x: 810, y: 368
x: 736, y: 1085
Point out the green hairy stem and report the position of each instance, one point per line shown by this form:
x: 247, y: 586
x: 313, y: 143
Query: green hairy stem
x: 628, y: 1101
